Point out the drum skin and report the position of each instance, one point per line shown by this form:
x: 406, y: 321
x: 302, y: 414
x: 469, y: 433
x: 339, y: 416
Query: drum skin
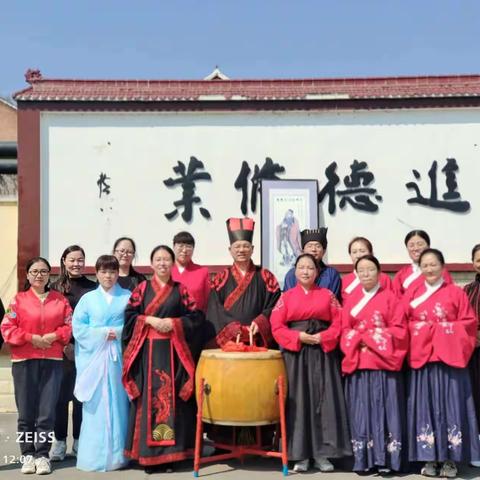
x: 240, y: 387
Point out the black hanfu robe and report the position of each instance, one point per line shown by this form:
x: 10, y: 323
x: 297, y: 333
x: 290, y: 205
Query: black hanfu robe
x: 158, y: 373
x: 237, y: 300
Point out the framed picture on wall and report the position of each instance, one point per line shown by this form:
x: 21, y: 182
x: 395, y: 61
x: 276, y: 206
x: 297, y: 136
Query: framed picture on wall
x: 287, y: 208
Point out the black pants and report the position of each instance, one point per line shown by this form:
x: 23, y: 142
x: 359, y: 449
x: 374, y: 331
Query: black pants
x: 65, y: 397
x: 37, y: 385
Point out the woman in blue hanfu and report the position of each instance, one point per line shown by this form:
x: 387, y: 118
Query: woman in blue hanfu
x: 97, y: 327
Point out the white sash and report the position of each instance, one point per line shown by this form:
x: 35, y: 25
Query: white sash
x: 365, y: 299
x: 416, y: 272
x: 431, y: 289
x: 353, y: 285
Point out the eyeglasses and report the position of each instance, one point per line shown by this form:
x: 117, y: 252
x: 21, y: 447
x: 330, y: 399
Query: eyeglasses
x: 183, y: 246
x: 34, y: 273
x: 125, y: 252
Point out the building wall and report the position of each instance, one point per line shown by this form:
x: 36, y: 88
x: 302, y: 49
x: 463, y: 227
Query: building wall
x: 8, y: 258
x: 8, y: 123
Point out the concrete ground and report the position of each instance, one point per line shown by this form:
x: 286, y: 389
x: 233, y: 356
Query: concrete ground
x: 252, y: 469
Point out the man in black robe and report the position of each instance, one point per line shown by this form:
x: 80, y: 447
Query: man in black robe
x: 242, y: 295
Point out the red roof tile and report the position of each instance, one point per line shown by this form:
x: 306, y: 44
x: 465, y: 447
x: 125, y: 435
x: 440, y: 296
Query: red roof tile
x: 49, y: 89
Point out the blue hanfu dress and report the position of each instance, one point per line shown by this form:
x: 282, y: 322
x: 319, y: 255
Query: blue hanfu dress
x: 99, y: 379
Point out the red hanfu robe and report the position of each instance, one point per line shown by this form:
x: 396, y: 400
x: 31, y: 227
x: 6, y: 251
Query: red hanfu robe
x: 351, y: 285
x: 196, y: 280
x: 297, y: 304
x: 158, y: 373
x: 237, y: 300
x: 442, y: 326
x: 410, y: 277
x: 374, y: 337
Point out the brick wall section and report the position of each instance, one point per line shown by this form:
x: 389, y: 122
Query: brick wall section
x: 8, y: 123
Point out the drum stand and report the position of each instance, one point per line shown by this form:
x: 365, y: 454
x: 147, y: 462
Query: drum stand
x: 239, y: 451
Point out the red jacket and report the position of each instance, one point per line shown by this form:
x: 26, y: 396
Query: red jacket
x: 28, y: 316
x: 376, y: 337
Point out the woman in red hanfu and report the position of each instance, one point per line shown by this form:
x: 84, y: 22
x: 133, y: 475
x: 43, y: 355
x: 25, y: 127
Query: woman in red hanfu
x: 375, y: 342
x: 357, y: 248
x: 161, y: 337
x: 442, y: 424
x: 306, y: 323
x: 410, y: 276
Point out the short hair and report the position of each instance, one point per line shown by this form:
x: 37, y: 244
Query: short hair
x: 435, y: 252
x: 107, y: 262
x: 475, y: 249
x: 418, y: 233
x: 162, y: 247
x: 184, y: 237
x: 306, y: 255
x: 370, y: 258
x: 364, y: 240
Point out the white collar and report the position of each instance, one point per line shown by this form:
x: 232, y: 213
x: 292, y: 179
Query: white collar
x: 367, y: 296
x: 108, y: 294
x: 430, y: 290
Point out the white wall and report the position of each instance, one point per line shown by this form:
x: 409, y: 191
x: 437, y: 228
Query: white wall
x: 139, y: 150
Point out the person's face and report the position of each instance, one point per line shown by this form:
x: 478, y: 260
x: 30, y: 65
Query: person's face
x: 162, y: 263
x: 415, y: 246
x: 241, y: 251
x: 74, y: 263
x: 306, y: 272
x: 315, y: 249
x: 38, y: 275
x: 367, y: 273
x: 357, y: 250
x: 431, y: 268
x: 476, y: 261
x: 183, y: 253
x: 107, y: 278
x: 124, y: 253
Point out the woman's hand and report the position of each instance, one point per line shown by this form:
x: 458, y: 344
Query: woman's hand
x: 111, y: 335
x: 50, y: 337
x: 162, y: 325
x: 69, y: 351
x: 39, y: 342
x: 309, y: 339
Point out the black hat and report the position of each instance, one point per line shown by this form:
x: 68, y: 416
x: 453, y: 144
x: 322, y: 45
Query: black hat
x: 240, y: 229
x: 314, y: 235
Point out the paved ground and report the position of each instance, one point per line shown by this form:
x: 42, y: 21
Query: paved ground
x: 253, y: 468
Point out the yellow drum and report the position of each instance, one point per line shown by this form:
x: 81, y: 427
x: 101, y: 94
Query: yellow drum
x: 240, y: 387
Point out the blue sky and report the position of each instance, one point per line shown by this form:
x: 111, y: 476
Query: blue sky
x: 246, y: 38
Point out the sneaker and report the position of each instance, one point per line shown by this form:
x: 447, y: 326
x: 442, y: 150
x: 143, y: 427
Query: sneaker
x: 58, y: 451
x: 323, y: 464
x: 384, y: 471
x: 430, y: 469
x: 301, y: 466
x: 75, y: 447
x: 448, y: 470
x: 475, y: 463
x: 42, y: 465
x: 28, y: 465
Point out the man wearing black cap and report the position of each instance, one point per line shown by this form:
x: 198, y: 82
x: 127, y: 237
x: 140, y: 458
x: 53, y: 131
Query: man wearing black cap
x: 314, y: 241
x: 242, y: 295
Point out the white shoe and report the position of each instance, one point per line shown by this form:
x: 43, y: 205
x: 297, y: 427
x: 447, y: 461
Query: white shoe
x: 42, y: 465
x: 475, y: 463
x: 323, y: 464
x: 28, y: 465
x: 302, y: 466
x: 75, y: 447
x: 58, y: 451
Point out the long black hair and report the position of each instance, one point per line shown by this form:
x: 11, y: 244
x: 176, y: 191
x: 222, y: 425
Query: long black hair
x: 63, y: 284
x: 33, y: 260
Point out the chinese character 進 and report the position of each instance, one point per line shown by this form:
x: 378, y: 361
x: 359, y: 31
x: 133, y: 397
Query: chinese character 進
x: 451, y: 198
x: 187, y: 179
x: 103, y: 186
x: 268, y: 171
x: 358, y: 186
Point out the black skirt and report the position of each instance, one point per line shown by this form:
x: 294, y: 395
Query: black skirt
x: 316, y: 414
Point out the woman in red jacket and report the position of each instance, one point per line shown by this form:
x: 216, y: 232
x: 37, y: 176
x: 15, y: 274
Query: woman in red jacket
x: 442, y: 425
x: 37, y: 326
x: 374, y: 341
